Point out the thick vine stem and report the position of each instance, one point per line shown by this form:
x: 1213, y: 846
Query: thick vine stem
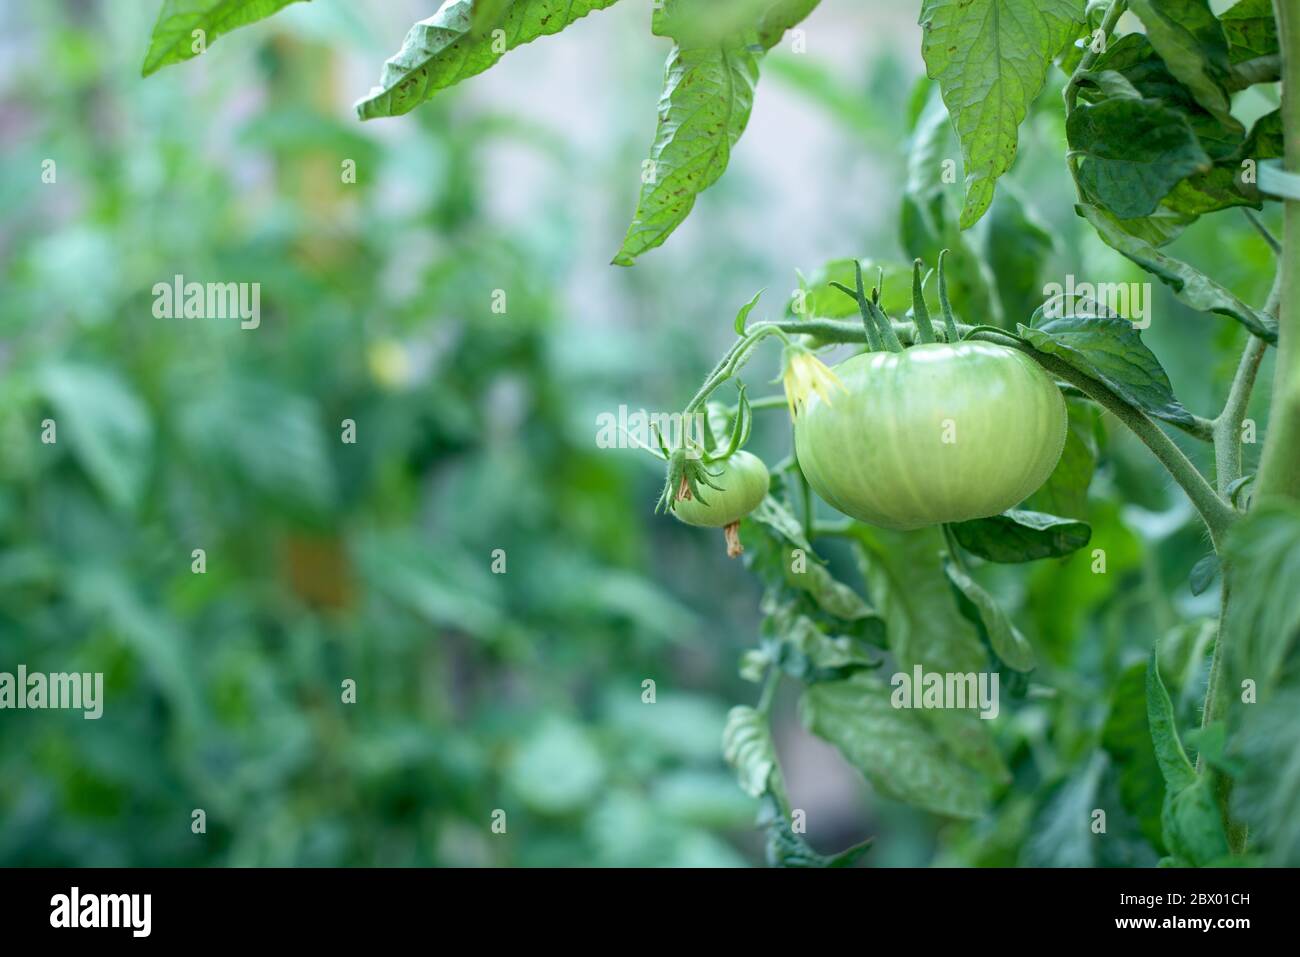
x: 1279, y: 471
x: 839, y: 331
x: 1227, y: 427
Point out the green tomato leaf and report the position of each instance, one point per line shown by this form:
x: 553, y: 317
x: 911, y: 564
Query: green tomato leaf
x: 1111, y: 351
x: 979, y: 608
x: 174, y: 37
x: 777, y: 518
x: 442, y: 50
x: 822, y: 301
x: 1133, y: 152
x: 708, y: 93
x: 697, y: 23
x: 1061, y: 836
x: 905, y: 579
x: 1021, y: 536
x: 1204, y: 573
x: 1126, y: 736
x: 892, y: 747
x: 1250, y: 29
x: 1065, y: 492
x: 1016, y: 247
x: 1266, y: 791
x: 991, y: 58
x: 1175, y: 768
x: 807, y: 653
x: 1263, y: 621
x: 833, y: 597
x: 747, y: 747
x: 1265, y: 139
x: 780, y: 16
x: 487, y: 14
x: 1190, y: 285
x: 107, y: 426
x: 787, y: 849
x: 924, y: 626
x: 1189, y: 38
x: 1159, y: 229
x: 1193, y: 827
x: 743, y: 314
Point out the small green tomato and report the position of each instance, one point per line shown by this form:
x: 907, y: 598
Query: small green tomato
x: 742, y: 482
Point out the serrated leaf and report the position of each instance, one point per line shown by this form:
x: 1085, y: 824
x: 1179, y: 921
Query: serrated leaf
x: 173, y: 37
x: 787, y: 849
x: 1175, y: 768
x: 823, y: 301
x: 981, y: 610
x: 1204, y: 573
x: 1133, y: 153
x: 776, y: 517
x: 1022, y: 536
x: 1193, y: 826
x: 1250, y: 29
x: 708, y: 93
x: 833, y: 597
x: 743, y: 314
x: 780, y: 16
x: 905, y: 579
x: 1263, y: 620
x: 891, y: 746
x: 1190, y: 285
x: 1189, y: 38
x: 487, y: 14
x: 1111, y: 351
x: 1016, y: 246
x: 991, y: 58
x: 1126, y: 736
x: 1061, y: 836
x: 747, y: 747
x: 1266, y: 791
x: 1265, y: 140
x: 442, y: 50
x: 807, y: 653
x: 107, y: 426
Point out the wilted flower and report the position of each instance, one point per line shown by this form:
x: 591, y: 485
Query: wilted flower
x: 803, y: 374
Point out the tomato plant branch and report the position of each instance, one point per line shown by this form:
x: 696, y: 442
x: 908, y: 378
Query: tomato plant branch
x: 839, y: 331
x: 1227, y: 427
x: 1253, y: 218
x: 1071, y: 93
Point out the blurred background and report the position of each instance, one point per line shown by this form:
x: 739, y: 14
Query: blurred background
x: 475, y: 431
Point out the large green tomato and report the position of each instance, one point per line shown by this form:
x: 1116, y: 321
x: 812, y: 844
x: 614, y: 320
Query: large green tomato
x: 742, y: 481
x: 935, y: 433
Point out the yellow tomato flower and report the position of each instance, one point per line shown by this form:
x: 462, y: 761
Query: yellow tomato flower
x: 805, y: 374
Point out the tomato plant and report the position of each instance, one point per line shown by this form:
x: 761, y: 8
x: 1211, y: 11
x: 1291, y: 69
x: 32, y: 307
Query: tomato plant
x: 948, y: 449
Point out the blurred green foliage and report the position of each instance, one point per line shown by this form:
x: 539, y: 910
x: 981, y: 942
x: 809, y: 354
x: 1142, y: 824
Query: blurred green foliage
x: 373, y: 561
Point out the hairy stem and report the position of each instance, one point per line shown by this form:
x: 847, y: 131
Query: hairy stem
x: 1227, y: 427
x: 1279, y: 471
